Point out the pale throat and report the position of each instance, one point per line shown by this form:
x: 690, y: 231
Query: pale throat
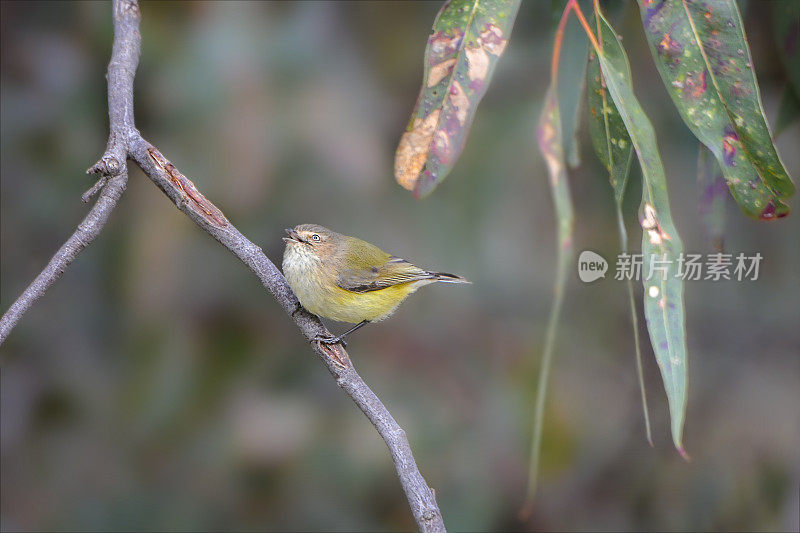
x: 299, y: 259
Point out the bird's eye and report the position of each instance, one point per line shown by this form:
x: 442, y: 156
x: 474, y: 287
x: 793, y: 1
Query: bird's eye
x: 315, y: 237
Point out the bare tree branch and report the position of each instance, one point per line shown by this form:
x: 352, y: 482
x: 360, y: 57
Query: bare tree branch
x: 111, y: 167
x: 189, y: 200
x: 125, y: 141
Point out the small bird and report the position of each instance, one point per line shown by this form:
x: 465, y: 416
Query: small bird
x: 349, y: 280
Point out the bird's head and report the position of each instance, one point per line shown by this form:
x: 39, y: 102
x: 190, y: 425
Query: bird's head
x: 313, y: 238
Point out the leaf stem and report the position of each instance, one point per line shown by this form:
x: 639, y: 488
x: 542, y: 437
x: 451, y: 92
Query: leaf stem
x: 576, y: 8
x: 562, y: 23
x: 597, y: 13
x: 564, y: 258
x: 623, y: 237
x: 572, y: 5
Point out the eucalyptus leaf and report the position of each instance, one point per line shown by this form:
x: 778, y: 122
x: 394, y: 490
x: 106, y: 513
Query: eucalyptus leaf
x: 614, y: 148
x: 661, y: 244
x: 704, y: 60
x: 468, y: 38
x: 571, y: 83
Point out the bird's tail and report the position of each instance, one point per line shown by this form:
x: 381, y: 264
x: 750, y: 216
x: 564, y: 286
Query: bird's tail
x: 449, y: 278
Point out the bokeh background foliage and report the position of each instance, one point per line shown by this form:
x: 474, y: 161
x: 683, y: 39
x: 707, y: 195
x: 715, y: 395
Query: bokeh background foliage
x: 157, y: 386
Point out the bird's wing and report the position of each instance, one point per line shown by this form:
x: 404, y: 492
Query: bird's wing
x: 374, y: 270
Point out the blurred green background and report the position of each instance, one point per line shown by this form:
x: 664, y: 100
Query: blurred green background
x: 157, y: 386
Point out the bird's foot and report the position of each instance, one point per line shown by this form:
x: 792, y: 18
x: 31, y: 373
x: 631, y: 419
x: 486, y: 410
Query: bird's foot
x: 330, y: 339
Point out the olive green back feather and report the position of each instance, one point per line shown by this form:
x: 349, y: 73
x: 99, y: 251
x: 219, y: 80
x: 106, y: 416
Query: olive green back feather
x: 372, y: 269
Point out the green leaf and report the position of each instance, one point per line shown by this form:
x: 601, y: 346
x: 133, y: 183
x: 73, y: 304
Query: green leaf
x: 614, y: 148
x: 549, y: 135
x: 712, y: 197
x: 661, y: 245
x: 468, y: 38
x: 571, y: 82
x: 704, y: 60
x: 610, y: 138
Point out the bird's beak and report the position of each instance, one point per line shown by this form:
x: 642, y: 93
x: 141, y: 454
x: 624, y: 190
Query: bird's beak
x: 293, y: 236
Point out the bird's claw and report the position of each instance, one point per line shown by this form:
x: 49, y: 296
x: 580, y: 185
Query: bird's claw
x: 329, y: 339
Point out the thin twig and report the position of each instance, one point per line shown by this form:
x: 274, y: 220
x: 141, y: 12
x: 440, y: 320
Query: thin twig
x: 111, y: 166
x: 125, y: 141
x: 87, y: 231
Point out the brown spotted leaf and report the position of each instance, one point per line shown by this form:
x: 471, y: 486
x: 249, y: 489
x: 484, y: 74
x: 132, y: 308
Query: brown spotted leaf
x: 703, y: 57
x: 467, y: 39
